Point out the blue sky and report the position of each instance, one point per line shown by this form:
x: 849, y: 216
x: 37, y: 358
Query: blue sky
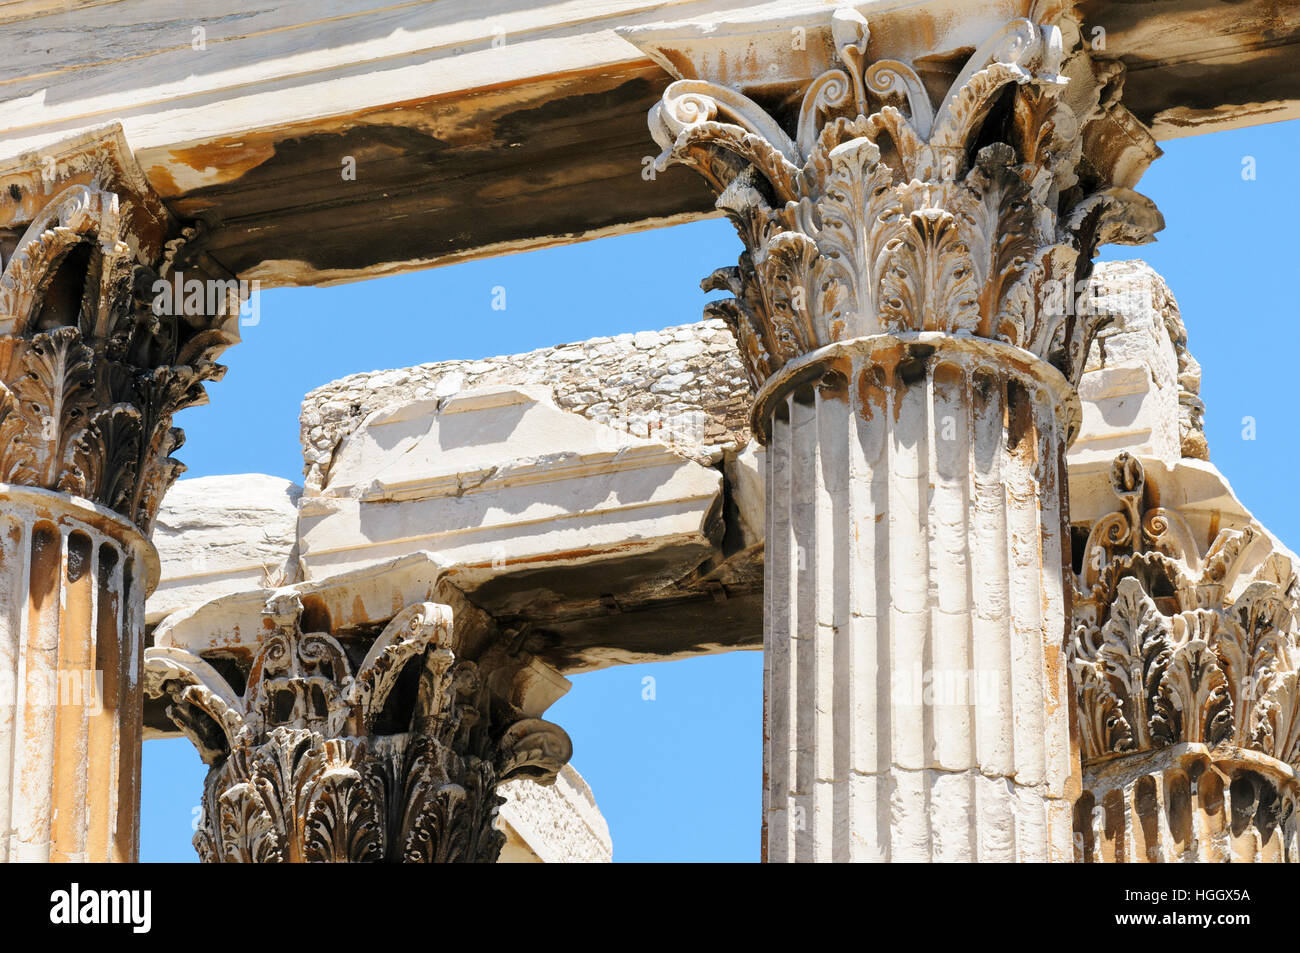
x: 679, y: 777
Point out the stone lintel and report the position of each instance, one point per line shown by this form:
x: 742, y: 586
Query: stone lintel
x: 510, y: 127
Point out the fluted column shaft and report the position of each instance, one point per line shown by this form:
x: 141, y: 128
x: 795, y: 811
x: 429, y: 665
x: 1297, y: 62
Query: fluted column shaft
x: 916, y: 700
x: 72, y: 588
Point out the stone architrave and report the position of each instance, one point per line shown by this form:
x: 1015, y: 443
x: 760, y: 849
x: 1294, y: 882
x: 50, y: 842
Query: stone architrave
x: 90, y: 376
x: 916, y: 235
x: 499, y: 476
x: 338, y: 730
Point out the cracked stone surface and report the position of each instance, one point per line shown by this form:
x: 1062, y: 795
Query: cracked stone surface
x: 684, y: 386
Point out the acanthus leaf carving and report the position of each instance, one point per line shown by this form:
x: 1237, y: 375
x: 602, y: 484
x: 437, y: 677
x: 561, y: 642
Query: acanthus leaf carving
x: 300, y: 770
x: 102, y: 458
x: 92, y: 375
x: 344, y: 811
x: 246, y: 832
x: 1134, y: 655
x: 53, y: 393
x: 898, y: 215
x: 1162, y: 654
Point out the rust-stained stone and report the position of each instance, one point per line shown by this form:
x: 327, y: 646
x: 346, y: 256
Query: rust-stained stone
x: 549, y: 154
x: 436, y: 181
x: 76, y: 575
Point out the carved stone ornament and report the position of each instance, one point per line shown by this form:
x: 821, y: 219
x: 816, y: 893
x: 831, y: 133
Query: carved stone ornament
x: 882, y: 212
x: 1161, y: 655
x: 315, y: 760
x: 90, y: 375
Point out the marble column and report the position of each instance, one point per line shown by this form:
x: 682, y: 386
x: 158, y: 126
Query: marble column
x: 914, y: 235
x: 90, y: 375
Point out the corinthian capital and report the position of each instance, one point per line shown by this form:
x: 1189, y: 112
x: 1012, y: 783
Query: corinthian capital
x: 350, y: 734
x: 1185, y: 664
x: 91, y: 370
x: 964, y: 196
x: 1176, y: 643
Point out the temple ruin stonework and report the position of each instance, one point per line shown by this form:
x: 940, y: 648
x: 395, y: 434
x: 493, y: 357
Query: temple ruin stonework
x: 946, y: 472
